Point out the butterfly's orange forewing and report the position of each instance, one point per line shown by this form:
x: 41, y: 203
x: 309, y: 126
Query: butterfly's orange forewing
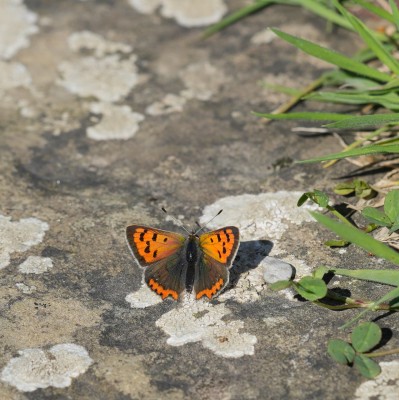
x: 221, y: 244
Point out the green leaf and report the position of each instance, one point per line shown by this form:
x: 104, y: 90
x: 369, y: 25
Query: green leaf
x: 311, y: 288
x: 370, y: 39
x: 317, y: 196
x: 366, y: 336
x: 319, y: 272
x: 360, y: 188
x: 391, y: 205
x: 394, y: 227
x: 333, y: 57
x: 336, y: 243
x: 365, y: 121
x: 376, y: 216
x: 366, y: 366
x: 365, y: 150
x: 366, y: 193
x: 280, y: 285
x: 386, y: 276
x: 311, y: 116
x: 345, y: 188
x: 341, y: 351
x: 356, y: 236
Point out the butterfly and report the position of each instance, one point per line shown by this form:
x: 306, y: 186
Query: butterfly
x: 174, y: 263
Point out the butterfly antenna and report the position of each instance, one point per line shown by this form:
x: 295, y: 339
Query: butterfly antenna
x: 176, y: 220
x: 202, y: 227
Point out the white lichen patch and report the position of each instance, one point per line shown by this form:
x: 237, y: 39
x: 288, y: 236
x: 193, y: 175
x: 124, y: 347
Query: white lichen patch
x: 118, y: 122
x: 384, y: 387
x: 202, y: 81
x: 196, y: 321
x: 169, y: 104
x: 108, y: 79
x: 248, y: 288
x: 19, y: 236
x: 86, y: 40
x: 145, y: 6
x: 265, y: 215
x: 186, y: 13
x: 143, y: 298
x: 35, y: 265
x: 195, y: 12
x: 37, y: 368
x: 16, y: 24
x: 264, y: 36
x: 25, y: 288
x: 13, y: 75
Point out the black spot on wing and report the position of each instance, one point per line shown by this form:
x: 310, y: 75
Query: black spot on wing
x: 147, y: 249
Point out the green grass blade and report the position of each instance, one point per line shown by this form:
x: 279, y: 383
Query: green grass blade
x: 358, y: 237
x: 370, y: 39
x: 386, y: 276
x: 245, y: 12
x: 395, y: 13
x: 368, y: 5
x: 311, y: 116
x: 318, y: 8
x: 365, y: 121
x: 389, y: 100
x: 333, y: 57
x: 374, y: 149
x: 393, y: 294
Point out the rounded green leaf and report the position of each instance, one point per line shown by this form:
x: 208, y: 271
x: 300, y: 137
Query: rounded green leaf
x: 376, y: 216
x: 311, y: 288
x: 320, y: 198
x: 280, y: 285
x: 366, y: 366
x: 366, y: 336
x: 341, y: 351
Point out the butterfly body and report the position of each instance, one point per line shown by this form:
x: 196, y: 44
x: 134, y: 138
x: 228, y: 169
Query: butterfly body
x: 174, y: 263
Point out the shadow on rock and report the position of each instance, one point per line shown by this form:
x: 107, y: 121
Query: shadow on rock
x: 249, y: 256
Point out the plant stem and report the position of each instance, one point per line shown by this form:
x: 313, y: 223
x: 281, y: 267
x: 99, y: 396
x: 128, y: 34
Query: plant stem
x: 357, y: 143
x: 293, y: 101
x: 382, y: 353
x: 339, y: 215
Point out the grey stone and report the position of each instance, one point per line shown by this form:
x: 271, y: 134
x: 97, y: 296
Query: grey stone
x: 275, y: 270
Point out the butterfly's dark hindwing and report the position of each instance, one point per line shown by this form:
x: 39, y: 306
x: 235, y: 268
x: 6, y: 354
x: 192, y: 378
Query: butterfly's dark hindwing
x: 167, y: 277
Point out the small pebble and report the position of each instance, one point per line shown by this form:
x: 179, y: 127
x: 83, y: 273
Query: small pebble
x: 275, y: 270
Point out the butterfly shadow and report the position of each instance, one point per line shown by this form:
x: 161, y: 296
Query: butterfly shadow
x: 249, y: 256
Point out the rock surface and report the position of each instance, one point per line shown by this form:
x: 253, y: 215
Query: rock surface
x: 111, y: 110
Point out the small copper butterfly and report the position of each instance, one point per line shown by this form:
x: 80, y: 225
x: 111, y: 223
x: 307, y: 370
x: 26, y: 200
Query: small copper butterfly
x: 174, y: 262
